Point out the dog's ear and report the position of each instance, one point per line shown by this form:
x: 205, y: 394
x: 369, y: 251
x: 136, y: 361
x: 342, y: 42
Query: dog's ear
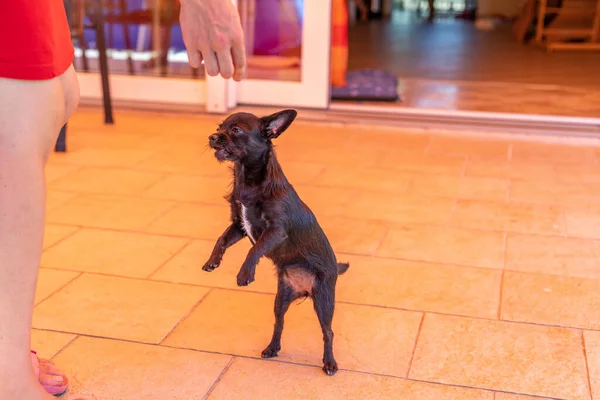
x: 275, y: 124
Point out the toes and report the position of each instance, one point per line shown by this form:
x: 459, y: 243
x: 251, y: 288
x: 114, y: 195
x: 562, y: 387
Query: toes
x: 52, y: 380
x: 269, y: 353
x: 330, y: 368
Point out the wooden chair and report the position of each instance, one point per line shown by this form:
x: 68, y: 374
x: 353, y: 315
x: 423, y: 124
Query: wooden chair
x: 76, y: 10
x: 576, y: 26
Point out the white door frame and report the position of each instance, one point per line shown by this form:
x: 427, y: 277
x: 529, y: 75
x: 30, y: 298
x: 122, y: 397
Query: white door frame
x: 312, y: 91
x: 220, y: 95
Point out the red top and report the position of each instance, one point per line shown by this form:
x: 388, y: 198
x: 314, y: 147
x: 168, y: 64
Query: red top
x: 35, y: 40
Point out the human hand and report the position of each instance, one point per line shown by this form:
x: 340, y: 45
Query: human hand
x: 212, y: 32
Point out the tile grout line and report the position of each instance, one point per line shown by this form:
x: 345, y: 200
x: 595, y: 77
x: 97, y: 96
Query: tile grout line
x: 66, y: 345
x: 61, y: 287
x: 414, y: 349
x: 185, y: 316
x: 171, y: 257
x: 385, y: 221
x: 587, y: 365
x: 500, y: 297
x: 77, y: 230
x: 381, y: 241
x: 211, y: 288
x: 279, y: 361
x: 216, y: 382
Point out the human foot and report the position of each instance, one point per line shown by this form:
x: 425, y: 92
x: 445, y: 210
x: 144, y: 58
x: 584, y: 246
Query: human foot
x: 50, y: 377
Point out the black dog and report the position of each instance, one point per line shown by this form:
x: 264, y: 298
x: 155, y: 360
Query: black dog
x: 266, y: 208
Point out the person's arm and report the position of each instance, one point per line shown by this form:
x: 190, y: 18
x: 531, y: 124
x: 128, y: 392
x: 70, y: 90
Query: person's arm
x: 212, y: 32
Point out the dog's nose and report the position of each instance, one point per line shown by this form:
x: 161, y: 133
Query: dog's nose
x: 213, y: 138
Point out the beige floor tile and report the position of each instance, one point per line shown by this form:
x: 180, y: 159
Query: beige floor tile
x: 421, y: 286
x: 444, y: 245
x: 423, y: 163
x: 334, y: 155
x: 379, y: 179
x: 179, y: 142
x: 475, y: 188
x: 395, y: 139
x: 286, y: 381
x: 55, y: 199
x: 592, y: 350
x: 366, y: 338
x: 127, y: 254
x: 516, y: 170
x: 556, y: 193
x: 106, y: 181
x: 551, y: 300
x: 194, y: 163
x: 354, y: 236
x: 325, y: 201
x: 56, y: 233
x: 511, y: 217
x: 472, y: 147
x: 299, y: 173
x: 581, y: 174
x: 112, y: 212
x: 47, y: 343
x: 553, y: 255
x: 111, y: 369
x: 583, y: 222
x: 56, y: 171
x: 193, y: 220
x: 50, y: 280
x: 508, y: 396
x: 117, y: 308
x: 190, y: 188
x: 398, y: 208
x: 552, y: 153
x: 186, y: 267
x: 106, y: 157
x: 501, y: 356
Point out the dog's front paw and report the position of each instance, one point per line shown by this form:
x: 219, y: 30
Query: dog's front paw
x: 330, y: 367
x: 245, y: 277
x: 211, y: 265
x: 271, y: 351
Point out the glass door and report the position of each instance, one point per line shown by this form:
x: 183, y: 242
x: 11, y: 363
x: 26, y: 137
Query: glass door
x: 287, y: 45
x: 147, y: 60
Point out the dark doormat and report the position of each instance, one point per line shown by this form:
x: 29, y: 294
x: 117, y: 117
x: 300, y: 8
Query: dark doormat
x: 368, y: 85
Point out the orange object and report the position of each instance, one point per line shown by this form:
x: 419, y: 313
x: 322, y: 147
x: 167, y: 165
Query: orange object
x: 339, y: 43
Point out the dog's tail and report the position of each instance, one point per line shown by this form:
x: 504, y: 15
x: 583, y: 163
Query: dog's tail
x: 342, y: 267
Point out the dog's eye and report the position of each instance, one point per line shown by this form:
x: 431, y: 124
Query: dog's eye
x: 236, y: 130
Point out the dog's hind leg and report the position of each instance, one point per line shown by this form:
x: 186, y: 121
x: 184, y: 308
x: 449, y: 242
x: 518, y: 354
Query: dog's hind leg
x: 285, y: 295
x: 324, y: 303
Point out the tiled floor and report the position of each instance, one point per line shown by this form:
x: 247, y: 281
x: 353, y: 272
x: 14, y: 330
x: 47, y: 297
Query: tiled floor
x: 474, y: 267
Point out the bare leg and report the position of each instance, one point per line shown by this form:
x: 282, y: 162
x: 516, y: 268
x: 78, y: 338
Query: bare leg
x: 31, y: 115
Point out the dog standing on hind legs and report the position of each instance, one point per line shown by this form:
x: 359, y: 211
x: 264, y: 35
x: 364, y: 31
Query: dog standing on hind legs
x: 266, y: 208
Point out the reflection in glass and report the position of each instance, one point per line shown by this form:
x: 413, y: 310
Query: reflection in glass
x: 273, y: 33
x: 143, y: 37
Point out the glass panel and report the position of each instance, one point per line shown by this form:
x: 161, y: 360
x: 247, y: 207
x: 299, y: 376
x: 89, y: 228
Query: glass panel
x: 143, y: 37
x: 273, y: 31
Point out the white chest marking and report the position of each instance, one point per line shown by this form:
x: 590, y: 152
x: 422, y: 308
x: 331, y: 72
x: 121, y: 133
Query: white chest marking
x: 246, y: 225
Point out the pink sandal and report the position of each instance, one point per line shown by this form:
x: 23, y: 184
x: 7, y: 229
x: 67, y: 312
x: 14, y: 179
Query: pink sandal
x: 51, y: 389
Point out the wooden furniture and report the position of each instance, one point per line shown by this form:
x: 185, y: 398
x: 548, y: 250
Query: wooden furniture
x: 76, y: 10
x: 576, y: 26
